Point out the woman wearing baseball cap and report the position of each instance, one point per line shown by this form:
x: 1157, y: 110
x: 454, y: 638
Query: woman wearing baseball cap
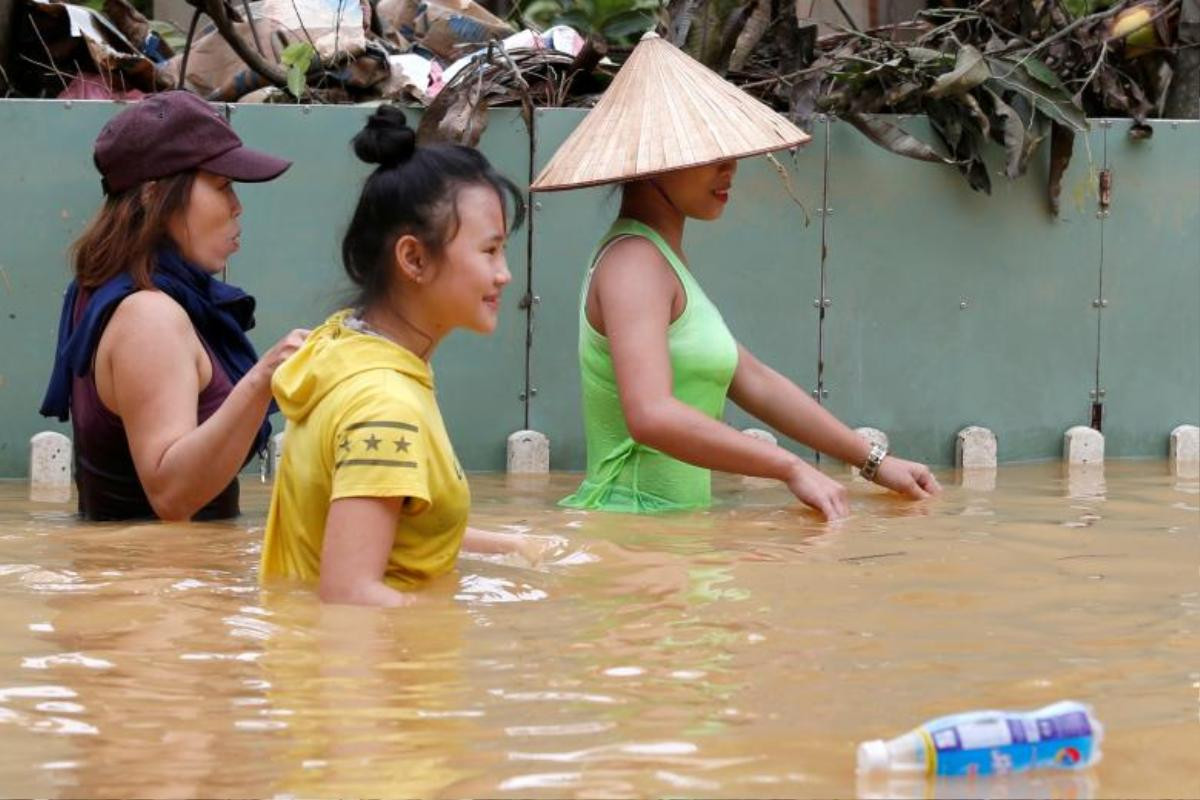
x: 656, y: 357
x: 166, y: 395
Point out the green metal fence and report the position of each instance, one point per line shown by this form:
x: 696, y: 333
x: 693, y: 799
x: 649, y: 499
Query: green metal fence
x: 932, y: 307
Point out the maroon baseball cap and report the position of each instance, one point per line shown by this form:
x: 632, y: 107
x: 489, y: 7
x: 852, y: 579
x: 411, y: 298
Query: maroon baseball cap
x: 171, y: 132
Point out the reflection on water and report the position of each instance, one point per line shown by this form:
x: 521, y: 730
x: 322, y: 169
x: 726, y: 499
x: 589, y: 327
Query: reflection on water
x: 741, y: 652
x: 1050, y: 785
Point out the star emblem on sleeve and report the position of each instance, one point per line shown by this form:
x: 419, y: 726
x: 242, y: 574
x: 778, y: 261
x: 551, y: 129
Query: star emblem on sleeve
x: 372, y: 442
x: 402, y: 444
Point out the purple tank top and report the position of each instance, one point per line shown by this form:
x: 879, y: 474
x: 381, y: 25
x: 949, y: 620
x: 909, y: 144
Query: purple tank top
x: 105, y: 476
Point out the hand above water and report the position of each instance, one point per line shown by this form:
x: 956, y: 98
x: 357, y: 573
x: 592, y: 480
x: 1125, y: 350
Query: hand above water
x: 532, y: 549
x: 816, y: 489
x: 535, y: 549
x: 909, y: 478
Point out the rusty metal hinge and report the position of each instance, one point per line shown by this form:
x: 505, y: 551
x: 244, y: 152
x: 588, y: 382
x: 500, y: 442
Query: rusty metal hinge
x: 1105, y: 191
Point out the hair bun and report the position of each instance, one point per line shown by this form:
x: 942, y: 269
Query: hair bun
x: 386, y: 140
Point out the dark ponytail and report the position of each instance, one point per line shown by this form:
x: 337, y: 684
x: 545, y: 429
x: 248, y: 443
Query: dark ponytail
x: 413, y: 191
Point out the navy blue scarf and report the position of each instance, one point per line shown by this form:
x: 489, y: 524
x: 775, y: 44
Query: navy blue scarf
x: 220, y: 313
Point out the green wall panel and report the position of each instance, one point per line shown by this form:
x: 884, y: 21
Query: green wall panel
x: 291, y: 227
x: 1150, y: 327
x: 48, y: 192
x: 291, y: 261
x: 909, y: 243
x: 759, y: 263
x: 566, y: 227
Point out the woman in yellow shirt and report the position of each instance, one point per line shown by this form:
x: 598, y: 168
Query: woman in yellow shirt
x: 370, y: 499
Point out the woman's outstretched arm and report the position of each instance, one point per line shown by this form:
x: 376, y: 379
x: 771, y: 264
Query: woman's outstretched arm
x: 773, y: 398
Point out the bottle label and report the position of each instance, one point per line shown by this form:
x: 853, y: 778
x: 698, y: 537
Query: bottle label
x: 992, y: 742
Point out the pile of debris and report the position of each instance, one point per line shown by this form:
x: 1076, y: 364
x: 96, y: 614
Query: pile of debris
x: 1017, y: 72
x: 324, y: 51
x: 1012, y: 71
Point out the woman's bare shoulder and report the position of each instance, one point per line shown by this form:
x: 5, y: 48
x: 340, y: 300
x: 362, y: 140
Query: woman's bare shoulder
x: 633, y: 257
x: 152, y: 307
x: 150, y: 313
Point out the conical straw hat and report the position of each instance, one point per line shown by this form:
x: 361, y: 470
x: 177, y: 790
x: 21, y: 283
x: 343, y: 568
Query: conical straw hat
x: 664, y: 111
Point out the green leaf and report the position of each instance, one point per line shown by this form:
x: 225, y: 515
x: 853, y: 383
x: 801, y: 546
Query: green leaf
x: 894, y: 138
x: 1078, y: 8
x: 577, y: 19
x: 601, y: 10
x: 541, y: 12
x: 296, y: 82
x: 297, y: 54
x: 586, y: 7
x: 1040, y: 72
x: 627, y: 23
x: 1054, y: 103
x: 1081, y: 8
x: 297, y: 57
x: 970, y: 70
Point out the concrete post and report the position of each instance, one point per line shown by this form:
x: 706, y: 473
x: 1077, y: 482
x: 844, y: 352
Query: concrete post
x: 1083, y: 445
x: 50, y: 457
x: 1185, y: 451
x: 1085, y: 481
x: 528, y: 453
x: 978, y: 480
x: 975, y: 448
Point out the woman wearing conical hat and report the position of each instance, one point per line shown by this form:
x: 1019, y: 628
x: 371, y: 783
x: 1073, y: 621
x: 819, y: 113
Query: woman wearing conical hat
x: 656, y: 358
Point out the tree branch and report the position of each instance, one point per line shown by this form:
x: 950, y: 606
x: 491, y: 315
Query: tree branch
x: 272, y: 73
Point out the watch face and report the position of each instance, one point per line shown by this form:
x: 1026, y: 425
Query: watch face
x: 873, y: 460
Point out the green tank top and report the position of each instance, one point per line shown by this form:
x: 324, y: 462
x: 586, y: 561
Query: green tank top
x: 623, y: 475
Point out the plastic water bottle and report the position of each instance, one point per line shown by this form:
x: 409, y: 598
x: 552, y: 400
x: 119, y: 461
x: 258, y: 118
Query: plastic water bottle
x: 1060, y: 736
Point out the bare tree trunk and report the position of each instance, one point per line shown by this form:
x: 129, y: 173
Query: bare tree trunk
x: 8, y: 13
x: 1183, y: 98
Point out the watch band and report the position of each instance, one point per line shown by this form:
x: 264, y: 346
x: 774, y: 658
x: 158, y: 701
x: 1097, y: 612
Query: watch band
x: 874, y: 459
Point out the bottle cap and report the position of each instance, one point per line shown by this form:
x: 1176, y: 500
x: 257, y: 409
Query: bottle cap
x: 873, y: 756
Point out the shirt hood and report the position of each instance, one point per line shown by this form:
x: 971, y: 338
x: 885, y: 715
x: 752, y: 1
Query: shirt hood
x: 333, y: 353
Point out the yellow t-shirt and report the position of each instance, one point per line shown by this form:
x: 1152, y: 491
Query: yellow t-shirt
x: 363, y: 421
